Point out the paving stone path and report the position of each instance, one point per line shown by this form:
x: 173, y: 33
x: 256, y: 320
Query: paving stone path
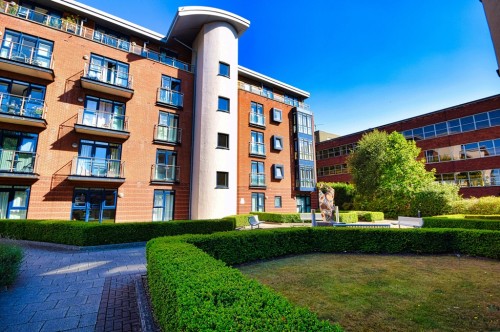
x: 60, y: 289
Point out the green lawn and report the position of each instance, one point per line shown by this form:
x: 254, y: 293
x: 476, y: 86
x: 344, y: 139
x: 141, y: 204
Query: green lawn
x: 390, y: 293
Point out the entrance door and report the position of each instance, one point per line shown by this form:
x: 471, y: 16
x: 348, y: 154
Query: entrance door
x: 94, y: 205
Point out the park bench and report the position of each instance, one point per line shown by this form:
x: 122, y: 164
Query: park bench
x: 410, y: 221
x: 254, y: 221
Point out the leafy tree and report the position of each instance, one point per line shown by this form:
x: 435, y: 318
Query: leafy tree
x: 387, y: 173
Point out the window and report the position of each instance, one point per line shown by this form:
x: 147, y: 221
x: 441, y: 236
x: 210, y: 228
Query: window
x: 170, y: 91
x: 494, y: 118
x: 223, y: 69
x: 166, y: 168
x: 305, y: 177
x: 277, y: 115
x: 21, y: 98
x: 14, y: 202
x: 111, y: 37
x: 303, y: 204
x: 279, y: 171
x: 306, y: 150
x: 291, y: 100
x: 467, y: 123
x: 277, y: 142
x: 222, y: 141
x: 304, y: 123
x: 481, y: 120
x: 267, y: 91
x: 163, y: 205
x: 108, y: 71
x: 17, y: 151
x: 99, y: 159
x: 94, y: 204
x: 222, y: 180
x: 103, y: 113
x: 223, y: 104
x: 277, y: 202
x: 257, y: 146
x: 257, y: 114
x: 27, y: 49
x: 257, y: 202
x: 257, y: 175
x: 168, y: 128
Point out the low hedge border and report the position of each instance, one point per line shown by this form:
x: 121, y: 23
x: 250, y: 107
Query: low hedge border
x: 278, y: 217
x: 91, y: 234
x: 348, y: 217
x: 370, y: 216
x: 458, y: 221
x: 192, y: 288
x: 478, y: 216
x: 240, y: 220
x: 10, y: 262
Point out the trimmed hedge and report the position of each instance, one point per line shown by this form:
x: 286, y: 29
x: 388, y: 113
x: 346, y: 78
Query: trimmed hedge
x: 478, y: 216
x: 458, y: 221
x: 278, y: 217
x: 193, y: 289
x: 10, y: 262
x: 90, y: 234
x: 369, y: 216
x: 348, y: 217
x: 240, y: 220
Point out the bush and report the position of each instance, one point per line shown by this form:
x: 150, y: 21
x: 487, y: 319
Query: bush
x: 348, y: 217
x: 478, y: 216
x: 278, y: 217
x: 344, y: 193
x: 484, y: 206
x: 240, y: 220
x: 89, y: 234
x: 434, y: 199
x: 10, y: 262
x: 369, y: 216
x: 458, y: 221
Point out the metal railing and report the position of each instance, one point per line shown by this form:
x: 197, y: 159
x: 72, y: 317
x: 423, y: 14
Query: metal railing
x: 27, y: 54
x: 97, y: 167
x: 257, y: 119
x: 68, y: 26
x: 257, y: 179
x: 167, y: 134
x: 22, y: 106
x: 165, y: 173
x: 259, y: 91
x: 101, y: 119
x: 17, y: 161
x: 171, y: 97
x: 258, y: 148
x: 106, y: 75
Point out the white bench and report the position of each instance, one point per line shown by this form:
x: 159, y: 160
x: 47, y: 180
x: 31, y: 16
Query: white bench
x: 254, y: 222
x: 410, y: 221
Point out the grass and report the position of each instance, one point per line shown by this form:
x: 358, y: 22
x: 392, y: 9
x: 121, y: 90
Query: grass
x: 389, y: 293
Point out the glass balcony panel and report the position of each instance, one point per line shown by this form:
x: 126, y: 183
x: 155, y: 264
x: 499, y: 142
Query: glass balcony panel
x: 170, y: 97
x: 17, y: 161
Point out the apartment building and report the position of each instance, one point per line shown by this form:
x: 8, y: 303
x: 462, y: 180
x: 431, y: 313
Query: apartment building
x: 492, y: 11
x: 461, y: 142
x: 105, y: 120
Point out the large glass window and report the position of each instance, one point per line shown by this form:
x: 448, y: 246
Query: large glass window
x: 17, y: 151
x: 257, y: 175
x: 306, y: 177
x: 257, y: 146
x: 304, y: 123
x: 21, y: 98
x: 163, y: 205
x: 168, y: 127
x: 306, y: 150
x: 267, y: 91
x: 25, y: 48
x: 257, y: 202
x: 257, y: 114
x: 98, y: 159
x: 14, y: 202
x: 94, y: 204
x: 170, y: 91
x: 103, y: 113
x: 109, y: 71
x: 303, y: 204
x: 166, y: 166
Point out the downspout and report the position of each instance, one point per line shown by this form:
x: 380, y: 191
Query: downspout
x: 193, y: 123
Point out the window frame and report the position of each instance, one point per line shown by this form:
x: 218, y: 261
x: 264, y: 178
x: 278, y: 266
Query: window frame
x: 224, y: 185
x: 278, y: 202
x: 219, y: 109
x: 276, y: 168
x: 227, y: 66
x: 220, y: 146
x: 277, y: 111
x: 276, y: 139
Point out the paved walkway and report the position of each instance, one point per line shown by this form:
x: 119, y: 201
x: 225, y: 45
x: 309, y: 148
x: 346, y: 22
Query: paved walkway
x: 60, y: 289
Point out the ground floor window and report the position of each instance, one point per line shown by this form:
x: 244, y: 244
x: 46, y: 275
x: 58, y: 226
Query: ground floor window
x: 94, y: 204
x: 163, y: 205
x: 258, y: 202
x: 303, y: 204
x: 14, y: 202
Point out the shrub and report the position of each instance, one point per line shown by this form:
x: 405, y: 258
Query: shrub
x: 458, y: 221
x: 478, y: 216
x: 89, y: 234
x: 344, y: 193
x: 434, y: 199
x: 484, y: 206
x: 10, y: 262
x: 348, y: 217
x: 369, y: 216
x: 278, y: 217
x: 240, y: 220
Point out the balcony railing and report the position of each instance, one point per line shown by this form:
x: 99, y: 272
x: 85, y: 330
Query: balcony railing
x: 97, y: 167
x: 257, y: 179
x: 91, y: 34
x: 170, y: 97
x: 109, y: 76
x: 258, y: 149
x: 165, y: 173
x: 257, y: 119
x: 167, y: 134
x: 17, y: 161
x: 104, y: 120
x: 259, y: 91
x: 40, y: 57
x: 22, y: 106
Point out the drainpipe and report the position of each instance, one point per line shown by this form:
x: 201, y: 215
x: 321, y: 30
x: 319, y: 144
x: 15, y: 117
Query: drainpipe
x: 193, y: 123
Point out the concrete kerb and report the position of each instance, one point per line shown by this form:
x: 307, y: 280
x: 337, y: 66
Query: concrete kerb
x: 67, y: 247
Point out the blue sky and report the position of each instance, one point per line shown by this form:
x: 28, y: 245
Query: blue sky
x: 365, y: 63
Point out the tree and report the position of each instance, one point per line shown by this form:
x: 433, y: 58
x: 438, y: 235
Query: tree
x: 387, y: 173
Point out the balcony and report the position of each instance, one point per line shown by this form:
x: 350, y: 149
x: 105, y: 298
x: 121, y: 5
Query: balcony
x: 282, y: 99
x: 97, y: 170
x: 257, y: 120
x: 164, y: 174
x: 167, y: 97
x: 22, y: 59
x: 258, y: 150
x: 101, y: 123
x: 167, y: 135
x: 110, y: 81
x: 18, y: 164
x: 258, y: 180
x: 22, y: 110
x: 90, y: 34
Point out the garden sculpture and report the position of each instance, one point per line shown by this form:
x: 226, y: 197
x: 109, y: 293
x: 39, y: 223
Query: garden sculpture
x: 326, y: 205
